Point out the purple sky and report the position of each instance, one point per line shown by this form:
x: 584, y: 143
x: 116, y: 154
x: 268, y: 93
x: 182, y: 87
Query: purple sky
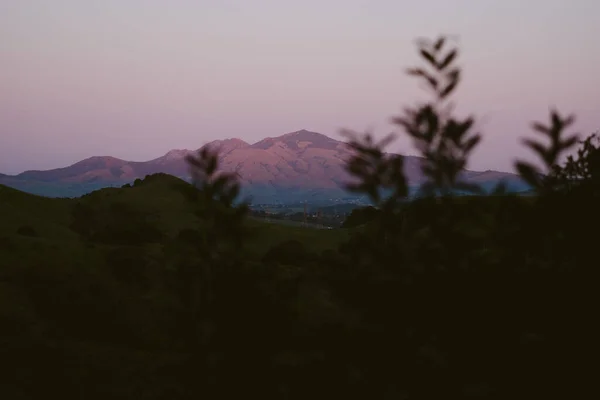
x: 136, y: 78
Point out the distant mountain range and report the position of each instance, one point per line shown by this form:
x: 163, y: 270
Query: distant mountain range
x: 298, y: 166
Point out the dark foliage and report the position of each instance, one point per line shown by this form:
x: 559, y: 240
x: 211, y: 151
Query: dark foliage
x: 360, y: 216
x: 118, y: 224
x: 290, y: 252
x: 442, y: 297
x: 27, y: 230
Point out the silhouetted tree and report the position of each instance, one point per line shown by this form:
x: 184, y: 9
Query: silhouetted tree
x: 360, y: 216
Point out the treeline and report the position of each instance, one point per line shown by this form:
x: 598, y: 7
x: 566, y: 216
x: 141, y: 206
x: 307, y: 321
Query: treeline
x: 444, y: 297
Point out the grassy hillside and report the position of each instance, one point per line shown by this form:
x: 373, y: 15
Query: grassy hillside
x: 70, y: 295
x: 93, y: 297
x: 30, y: 220
x: 19, y: 209
x: 44, y: 224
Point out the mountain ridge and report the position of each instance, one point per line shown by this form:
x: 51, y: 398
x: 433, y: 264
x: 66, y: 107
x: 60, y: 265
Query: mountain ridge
x: 292, y: 165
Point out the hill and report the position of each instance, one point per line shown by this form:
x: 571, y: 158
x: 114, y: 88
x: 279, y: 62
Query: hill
x: 297, y: 166
x: 159, y: 202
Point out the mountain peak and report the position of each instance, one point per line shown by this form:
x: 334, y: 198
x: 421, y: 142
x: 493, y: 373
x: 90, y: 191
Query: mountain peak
x: 304, y: 134
x: 100, y: 162
x: 292, y: 140
x: 301, y: 131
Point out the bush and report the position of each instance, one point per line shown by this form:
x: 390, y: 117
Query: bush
x: 289, y: 252
x: 27, y: 230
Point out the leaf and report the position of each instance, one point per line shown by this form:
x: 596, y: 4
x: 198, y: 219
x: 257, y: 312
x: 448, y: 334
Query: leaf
x: 471, y: 143
x: 536, y: 126
x: 432, y: 81
x: 211, y: 164
x: 537, y: 147
x: 467, y: 123
x: 351, y: 135
x: 453, y: 74
x: 416, y: 72
x: 529, y: 174
x: 567, y: 143
x: 568, y: 121
x: 448, y: 59
x: 439, y: 43
x: 555, y: 118
x: 386, y: 141
x: 428, y: 56
x: 448, y: 89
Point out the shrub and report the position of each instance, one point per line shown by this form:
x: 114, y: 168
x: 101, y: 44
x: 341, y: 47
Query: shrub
x: 27, y: 230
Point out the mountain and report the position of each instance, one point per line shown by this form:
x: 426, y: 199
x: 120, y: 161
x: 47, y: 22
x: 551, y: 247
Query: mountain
x: 297, y: 166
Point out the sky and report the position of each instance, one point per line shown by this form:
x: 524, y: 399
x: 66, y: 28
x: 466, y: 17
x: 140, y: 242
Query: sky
x: 136, y: 78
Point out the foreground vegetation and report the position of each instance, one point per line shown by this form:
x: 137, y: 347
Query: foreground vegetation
x: 163, y: 290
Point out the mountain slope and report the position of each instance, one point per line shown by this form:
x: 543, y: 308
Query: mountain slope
x: 295, y: 166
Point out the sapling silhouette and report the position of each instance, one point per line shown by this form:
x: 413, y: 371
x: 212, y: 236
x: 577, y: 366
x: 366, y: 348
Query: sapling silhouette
x: 235, y: 319
x: 549, y: 154
x: 215, y: 198
x: 583, y: 171
x: 219, y: 239
x: 445, y: 141
x: 443, y: 267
